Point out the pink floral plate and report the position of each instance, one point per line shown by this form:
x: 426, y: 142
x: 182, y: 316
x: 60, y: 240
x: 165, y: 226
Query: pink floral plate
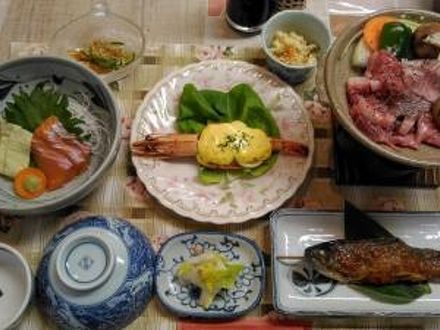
x: 175, y: 183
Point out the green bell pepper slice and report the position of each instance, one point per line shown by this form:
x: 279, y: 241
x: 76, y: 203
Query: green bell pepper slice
x: 396, y: 37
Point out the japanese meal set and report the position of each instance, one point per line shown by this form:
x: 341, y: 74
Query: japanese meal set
x: 224, y: 142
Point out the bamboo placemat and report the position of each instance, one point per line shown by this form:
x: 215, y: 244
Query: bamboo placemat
x: 121, y: 194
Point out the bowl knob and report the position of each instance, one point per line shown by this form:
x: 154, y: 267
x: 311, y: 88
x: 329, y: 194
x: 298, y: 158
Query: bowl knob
x: 84, y: 261
x: 99, y: 8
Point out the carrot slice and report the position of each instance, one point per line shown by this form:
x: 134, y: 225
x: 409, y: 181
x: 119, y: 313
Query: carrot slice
x: 373, y: 29
x: 30, y: 183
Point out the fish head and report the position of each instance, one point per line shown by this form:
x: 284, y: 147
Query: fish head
x: 320, y: 254
x: 323, y: 259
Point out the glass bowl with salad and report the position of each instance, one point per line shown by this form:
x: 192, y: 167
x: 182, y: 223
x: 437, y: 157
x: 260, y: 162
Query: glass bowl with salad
x: 108, y: 44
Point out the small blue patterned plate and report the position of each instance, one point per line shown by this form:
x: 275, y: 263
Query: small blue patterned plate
x: 183, y: 300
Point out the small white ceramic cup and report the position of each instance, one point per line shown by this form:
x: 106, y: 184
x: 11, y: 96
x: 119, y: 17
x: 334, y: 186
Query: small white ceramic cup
x: 306, y: 24
x: 16, y: 286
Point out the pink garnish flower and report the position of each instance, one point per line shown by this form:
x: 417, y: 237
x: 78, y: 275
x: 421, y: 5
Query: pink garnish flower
x: 204, y: 53
x: 158, y: 241
x: 126, y: 127
x: 318, y: 113
x: 136, y: 188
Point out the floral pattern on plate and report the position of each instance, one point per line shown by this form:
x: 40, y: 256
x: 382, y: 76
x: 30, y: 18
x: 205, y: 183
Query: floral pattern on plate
x: 309, y: 282
x: 183, y: 300
x: 175, y: 184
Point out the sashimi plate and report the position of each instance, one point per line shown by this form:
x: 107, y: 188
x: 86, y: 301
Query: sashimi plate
x: 90, y: 100
x: 175, y: 183
x: 297, y: 290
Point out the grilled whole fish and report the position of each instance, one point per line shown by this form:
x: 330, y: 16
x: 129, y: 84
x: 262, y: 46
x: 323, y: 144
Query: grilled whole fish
x: 375, y: 261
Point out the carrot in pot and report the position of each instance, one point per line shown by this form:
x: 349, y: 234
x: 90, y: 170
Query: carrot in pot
x: 30, y: 183
x: 373, y: 29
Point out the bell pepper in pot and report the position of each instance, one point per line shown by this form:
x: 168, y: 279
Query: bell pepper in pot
x: 396, y: 37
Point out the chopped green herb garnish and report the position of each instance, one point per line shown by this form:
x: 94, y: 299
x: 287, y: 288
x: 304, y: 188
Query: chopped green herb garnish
x: 235, y: 141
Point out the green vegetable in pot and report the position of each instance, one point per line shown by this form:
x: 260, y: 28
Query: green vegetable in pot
x: 396, y: 37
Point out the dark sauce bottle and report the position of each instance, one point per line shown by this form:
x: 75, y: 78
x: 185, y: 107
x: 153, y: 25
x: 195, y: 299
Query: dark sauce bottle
x: 248, y: 15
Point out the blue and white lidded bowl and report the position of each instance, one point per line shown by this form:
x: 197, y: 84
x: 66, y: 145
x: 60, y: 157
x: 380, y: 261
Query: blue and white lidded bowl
x: 96, y: 274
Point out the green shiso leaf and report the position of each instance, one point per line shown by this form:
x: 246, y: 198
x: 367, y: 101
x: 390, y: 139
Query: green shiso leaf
x: 29, y: 110
x: 401, y: 293
x: 359, y: 226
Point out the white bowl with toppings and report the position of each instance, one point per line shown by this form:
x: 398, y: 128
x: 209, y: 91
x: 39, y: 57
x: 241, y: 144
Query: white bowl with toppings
x: 16, y: 285
x: 293, y: 42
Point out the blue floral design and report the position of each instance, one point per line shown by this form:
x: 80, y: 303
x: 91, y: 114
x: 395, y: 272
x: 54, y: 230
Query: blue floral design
x: 227, y: 246
x: 310, y: 282
x: 121, y: 308
x: 231, y: 302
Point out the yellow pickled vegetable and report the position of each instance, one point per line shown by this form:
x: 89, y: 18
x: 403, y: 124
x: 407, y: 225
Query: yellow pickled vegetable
x: 211, y: 272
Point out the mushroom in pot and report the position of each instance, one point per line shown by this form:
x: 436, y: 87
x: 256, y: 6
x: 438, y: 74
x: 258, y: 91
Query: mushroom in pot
x: 427, y: 40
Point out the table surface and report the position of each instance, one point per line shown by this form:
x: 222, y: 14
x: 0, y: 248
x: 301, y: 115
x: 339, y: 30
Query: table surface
x: 172, y: 40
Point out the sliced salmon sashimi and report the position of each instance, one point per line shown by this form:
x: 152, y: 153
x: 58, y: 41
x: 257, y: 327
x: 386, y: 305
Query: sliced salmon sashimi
x: 59, y: 154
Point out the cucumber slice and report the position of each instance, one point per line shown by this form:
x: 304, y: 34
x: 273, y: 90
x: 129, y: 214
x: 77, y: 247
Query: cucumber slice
x: 15, y: 148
